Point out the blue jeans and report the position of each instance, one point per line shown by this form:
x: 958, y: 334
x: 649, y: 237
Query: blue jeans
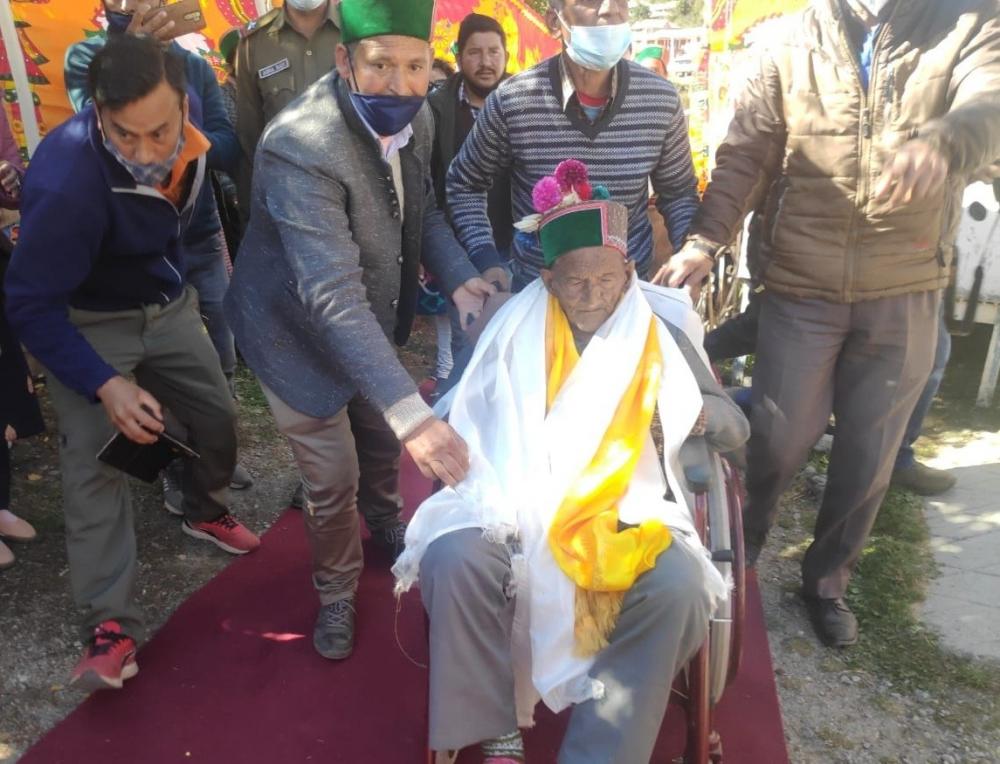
x: 905, y: 457
x: 206, y: 272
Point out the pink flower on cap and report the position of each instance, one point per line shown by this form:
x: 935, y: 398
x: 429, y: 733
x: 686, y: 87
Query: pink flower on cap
x: 571, y: 173
x: 546, y: 195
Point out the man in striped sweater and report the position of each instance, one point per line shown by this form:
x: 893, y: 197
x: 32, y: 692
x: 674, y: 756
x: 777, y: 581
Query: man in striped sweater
x: 624, y: 122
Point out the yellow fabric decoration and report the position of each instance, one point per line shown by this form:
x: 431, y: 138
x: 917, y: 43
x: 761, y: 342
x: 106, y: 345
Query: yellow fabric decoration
x: 584, y: 537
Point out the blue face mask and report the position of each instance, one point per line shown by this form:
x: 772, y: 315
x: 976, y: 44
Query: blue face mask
x: 118, y: 22
x: 155, y: 174
x: 597, y: 48
x: 385, y: 114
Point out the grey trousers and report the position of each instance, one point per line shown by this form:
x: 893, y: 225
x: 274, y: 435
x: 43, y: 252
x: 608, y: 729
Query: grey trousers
x: 465, y: 583
x: 169, y: 352
x: 332, y: 455
x: 866, y: 362
x: 206, y: 271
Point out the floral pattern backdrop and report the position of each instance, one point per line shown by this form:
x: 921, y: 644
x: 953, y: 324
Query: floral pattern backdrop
x: 46, y: 28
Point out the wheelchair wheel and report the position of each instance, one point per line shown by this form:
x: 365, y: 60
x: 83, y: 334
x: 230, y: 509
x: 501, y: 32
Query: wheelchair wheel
x: 734, y: 486
x: 718, y: 540
x: 698, y: 704
x: 719, y: 520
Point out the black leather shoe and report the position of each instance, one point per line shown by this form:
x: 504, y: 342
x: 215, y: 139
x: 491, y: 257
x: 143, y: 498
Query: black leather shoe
x: 299, y: 497
x: 753, y: 543
x: 333, y: 636
x: 833, y: 621
x: 391, y: 538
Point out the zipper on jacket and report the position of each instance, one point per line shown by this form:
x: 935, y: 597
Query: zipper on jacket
x: 865, y: 149
x: 889, y: 95
x: 180, y: 281
x: 777, y: 211
x: 153, y: 193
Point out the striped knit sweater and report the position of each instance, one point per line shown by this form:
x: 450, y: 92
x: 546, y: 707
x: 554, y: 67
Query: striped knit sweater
x: 641, y: 137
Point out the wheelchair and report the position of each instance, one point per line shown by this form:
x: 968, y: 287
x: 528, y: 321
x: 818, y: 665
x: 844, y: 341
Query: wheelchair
x: 714, y: 491
x: 715, y: 495
x: 716, y: 499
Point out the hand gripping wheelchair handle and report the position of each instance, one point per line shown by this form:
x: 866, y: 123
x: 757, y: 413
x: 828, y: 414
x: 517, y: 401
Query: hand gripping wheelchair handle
x: 696, y: 461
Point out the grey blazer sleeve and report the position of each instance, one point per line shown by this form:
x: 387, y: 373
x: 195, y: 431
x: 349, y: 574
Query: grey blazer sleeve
x: 726, y: 429
x: 307, y: 207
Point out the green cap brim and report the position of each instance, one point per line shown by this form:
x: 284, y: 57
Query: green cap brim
x: 653, y: 51
x: 228, y: 43
x: 590, y: 224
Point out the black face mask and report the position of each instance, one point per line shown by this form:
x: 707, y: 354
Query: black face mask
x: 118, y: 22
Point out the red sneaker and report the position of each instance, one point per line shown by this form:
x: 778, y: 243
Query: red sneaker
x: 226, y: 532
x: 107, y: 662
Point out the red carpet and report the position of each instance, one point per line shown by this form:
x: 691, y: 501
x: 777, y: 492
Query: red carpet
x: 232, y: 678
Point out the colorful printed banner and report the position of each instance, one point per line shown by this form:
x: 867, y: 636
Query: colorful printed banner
x: 731, y: 19
x: 528, y: 39
x: 46, y: 28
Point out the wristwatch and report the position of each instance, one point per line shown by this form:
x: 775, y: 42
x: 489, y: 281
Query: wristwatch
x: 703, y: 246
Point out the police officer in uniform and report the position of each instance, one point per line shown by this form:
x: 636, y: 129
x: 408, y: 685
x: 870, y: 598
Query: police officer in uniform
x: 282, y: 53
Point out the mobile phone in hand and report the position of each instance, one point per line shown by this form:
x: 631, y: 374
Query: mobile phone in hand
x: 187, y: 16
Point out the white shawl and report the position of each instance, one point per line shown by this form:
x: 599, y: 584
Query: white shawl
x: 523, y: 461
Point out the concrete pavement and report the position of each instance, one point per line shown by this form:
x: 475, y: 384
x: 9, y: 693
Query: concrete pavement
x: 963, y: 603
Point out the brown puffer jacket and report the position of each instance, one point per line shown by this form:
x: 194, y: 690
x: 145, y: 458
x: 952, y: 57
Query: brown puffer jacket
x: 808, y: 136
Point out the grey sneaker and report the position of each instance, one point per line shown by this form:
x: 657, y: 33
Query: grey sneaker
x: 241, y: 479
x: 923, y: 480
x: 333, y: 636
x: 173, y: 498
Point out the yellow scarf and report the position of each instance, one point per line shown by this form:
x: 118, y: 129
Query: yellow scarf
x: 584, y: 537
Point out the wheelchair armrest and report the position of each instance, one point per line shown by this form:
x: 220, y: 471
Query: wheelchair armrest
x: 696, y: 461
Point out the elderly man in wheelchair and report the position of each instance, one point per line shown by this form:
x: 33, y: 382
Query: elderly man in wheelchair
x: 566, y: 565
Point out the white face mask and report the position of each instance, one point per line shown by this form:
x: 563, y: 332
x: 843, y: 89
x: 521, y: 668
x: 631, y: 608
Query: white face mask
x: 598, y: 48
x: 874, y: 6
x: 305, y: 5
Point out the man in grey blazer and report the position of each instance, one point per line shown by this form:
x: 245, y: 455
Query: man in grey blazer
x: 342, y: 215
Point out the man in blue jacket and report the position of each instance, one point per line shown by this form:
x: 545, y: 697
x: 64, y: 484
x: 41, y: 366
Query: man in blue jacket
x: 96, y: 292
x: 205, y: 251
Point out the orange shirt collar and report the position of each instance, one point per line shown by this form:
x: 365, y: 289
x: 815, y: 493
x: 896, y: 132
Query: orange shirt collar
x: 195, y: 145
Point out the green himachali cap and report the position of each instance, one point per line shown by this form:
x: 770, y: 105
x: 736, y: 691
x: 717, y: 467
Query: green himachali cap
x: 597, y: 223
x: 571, y: 214
x: 361, y: 19
x: 228, y: 42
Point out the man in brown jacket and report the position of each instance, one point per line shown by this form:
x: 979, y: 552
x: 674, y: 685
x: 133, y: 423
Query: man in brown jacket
x: 858, y: 132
